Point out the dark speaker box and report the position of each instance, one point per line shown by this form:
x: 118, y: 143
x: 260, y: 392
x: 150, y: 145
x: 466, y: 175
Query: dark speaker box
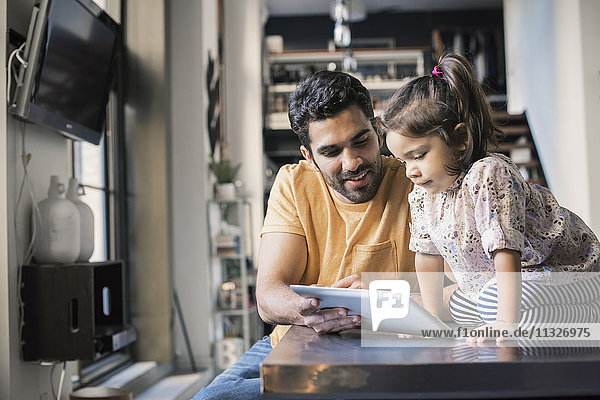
x: 73, y: 311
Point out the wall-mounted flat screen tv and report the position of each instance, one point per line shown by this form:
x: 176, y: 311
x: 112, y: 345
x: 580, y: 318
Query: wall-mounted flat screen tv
x: 70, y: 54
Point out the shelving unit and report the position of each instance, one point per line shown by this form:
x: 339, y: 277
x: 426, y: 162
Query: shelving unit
x: 518, y: 144
x: 279, y: 120
x: 405, y: 55
x: 381, y: 70
x: 233, y: 279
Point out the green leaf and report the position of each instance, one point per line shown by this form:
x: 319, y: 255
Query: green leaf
x: 224, y: 170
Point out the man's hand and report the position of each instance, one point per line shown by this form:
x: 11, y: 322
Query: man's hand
x: 331, y: 320
x: 351, y: 282
x: 282, y: 259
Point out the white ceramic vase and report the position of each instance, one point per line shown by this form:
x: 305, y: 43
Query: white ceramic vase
x: 225, y: 191
x: 58, y: 237
x: 86, y: 221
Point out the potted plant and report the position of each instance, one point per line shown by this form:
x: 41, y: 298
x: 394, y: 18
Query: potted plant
x: 225, y: 173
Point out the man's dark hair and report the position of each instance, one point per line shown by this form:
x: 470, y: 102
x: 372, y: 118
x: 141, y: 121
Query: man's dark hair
x: 323, y: 95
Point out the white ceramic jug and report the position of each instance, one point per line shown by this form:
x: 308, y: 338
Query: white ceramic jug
x: 58, y: 237
x: 86, y: 222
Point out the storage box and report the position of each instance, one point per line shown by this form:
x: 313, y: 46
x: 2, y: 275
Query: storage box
x: 73, y: 311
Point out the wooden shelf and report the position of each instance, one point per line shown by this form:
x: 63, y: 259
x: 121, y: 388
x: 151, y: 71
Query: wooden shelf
x: 529, y: 164
x: 371, y: 84
x: 516, y: 130
x: 506, y: 147
x: 404, y: 56
x: 237, y: 311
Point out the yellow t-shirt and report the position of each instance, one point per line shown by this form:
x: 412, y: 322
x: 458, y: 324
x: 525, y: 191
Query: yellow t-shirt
x: 342, y: 239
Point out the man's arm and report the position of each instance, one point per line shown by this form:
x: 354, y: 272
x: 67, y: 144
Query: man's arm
x: 281, y: 262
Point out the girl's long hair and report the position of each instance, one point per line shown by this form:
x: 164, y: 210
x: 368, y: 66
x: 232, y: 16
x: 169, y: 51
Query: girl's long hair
x: 449, y: 103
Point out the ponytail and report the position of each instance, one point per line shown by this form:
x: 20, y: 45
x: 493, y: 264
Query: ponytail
x: 472, y: 105
x: 450, y: 103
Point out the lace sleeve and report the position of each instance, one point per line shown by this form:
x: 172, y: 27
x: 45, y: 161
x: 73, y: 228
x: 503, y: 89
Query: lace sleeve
x: 420, y: 241
x: 498, y: 193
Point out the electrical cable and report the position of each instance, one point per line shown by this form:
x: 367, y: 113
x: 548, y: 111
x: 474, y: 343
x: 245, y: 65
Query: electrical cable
x: 52, y: 381
x: 60, y: 382
x: 20, y: 303
x: 8, y: 74
x: 21, y: 58
x: 36, y: 218
x: 16, y: 52
x: 36, y: 221
x: 36, y: 213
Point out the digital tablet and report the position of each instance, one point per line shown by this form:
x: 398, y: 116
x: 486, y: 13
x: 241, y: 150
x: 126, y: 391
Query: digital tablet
x: 329, y: 297
x: 417, y: 320
x: 356, y: 301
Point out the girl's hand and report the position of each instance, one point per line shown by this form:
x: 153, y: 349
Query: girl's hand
x: 406, y: 336
x: 500, y: 331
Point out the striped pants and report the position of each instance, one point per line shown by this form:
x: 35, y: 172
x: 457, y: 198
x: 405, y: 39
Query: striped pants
x: 569, y: 303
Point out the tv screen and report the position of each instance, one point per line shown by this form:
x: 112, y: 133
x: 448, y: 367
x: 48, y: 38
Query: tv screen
x: 71, y: 54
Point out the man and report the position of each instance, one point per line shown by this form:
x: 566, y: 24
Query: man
x: 340, y: 212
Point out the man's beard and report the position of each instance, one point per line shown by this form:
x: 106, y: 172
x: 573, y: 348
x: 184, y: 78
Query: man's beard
x: 361, y: 194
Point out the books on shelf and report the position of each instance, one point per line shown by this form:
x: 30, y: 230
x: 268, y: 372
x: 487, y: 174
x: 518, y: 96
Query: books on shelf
x: 228, y: 245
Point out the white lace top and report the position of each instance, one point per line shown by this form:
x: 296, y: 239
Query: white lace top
x: 492, y: 207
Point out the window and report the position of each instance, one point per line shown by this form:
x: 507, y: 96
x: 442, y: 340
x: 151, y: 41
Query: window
x: 98, y: 168
x: 90, y: 170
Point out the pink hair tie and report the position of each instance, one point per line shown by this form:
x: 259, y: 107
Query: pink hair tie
x: 436, y: 72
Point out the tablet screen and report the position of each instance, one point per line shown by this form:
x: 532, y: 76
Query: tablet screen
x: 356, y: 301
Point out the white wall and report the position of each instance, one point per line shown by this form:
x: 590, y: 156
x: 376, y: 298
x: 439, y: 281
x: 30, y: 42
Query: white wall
x: 243, y: 98
x: 590, y: 32
x: 146, y: 131
x: 193, y: 32
x: 20, y: 380
x: 49, y: 156
x: 552, y: 74
x: 4, y: 283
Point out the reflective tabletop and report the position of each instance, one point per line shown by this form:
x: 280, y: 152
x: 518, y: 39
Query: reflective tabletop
x: 306, y: 365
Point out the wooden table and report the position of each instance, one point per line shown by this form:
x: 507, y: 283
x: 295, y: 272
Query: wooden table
x: 305, y: 365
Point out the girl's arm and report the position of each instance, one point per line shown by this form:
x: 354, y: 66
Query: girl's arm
x: 508, y: 277
x: 430, y: 273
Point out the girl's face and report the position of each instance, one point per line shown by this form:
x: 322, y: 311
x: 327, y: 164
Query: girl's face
x: 424, y: 159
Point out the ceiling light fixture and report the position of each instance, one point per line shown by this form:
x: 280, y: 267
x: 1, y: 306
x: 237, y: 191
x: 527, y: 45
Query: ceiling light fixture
x: 341, y: 30
x: 343, y: 12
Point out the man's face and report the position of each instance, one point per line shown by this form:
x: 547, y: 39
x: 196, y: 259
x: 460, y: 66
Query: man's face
x: 346, y: 149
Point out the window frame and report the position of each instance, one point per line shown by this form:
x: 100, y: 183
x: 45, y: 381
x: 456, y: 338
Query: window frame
x: 115, y: 221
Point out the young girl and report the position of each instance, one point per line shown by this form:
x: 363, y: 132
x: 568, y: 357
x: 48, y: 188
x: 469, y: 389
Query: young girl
x: 517, y: 256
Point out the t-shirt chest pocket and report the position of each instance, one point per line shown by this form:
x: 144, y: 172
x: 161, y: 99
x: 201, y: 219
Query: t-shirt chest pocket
x: 379, y: 257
